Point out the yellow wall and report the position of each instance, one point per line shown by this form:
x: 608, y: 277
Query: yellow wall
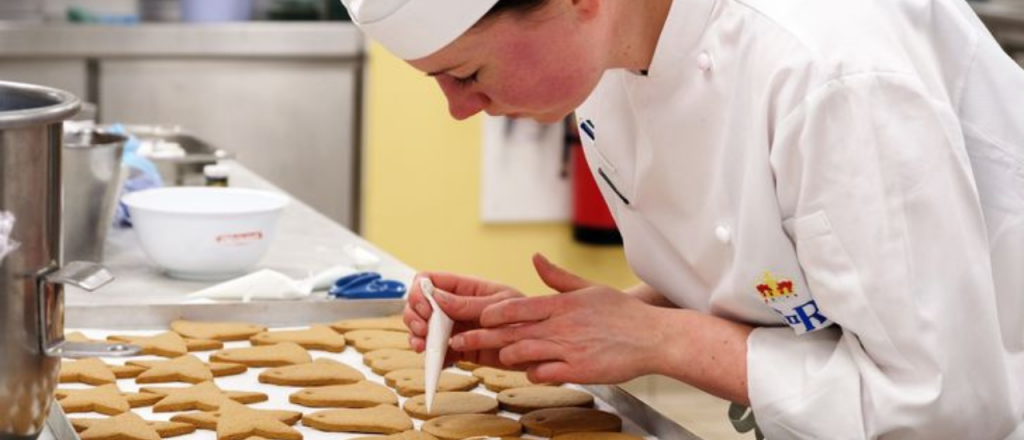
x: 421, y: 191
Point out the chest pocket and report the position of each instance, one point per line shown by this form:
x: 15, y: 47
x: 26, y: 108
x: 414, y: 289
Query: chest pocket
x: 606, y: 173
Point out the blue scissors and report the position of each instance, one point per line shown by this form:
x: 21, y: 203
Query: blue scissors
x: 367, y: 285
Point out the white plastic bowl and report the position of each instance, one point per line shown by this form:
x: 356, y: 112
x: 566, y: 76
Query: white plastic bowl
x: 205, y: 233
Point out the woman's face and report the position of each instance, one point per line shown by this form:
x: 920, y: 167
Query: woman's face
x: 539, y: 66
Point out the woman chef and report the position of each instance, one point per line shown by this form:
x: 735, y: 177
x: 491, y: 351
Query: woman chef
x: 824, y: 199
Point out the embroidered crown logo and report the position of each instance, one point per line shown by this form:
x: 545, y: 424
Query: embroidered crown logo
x: 772, y: 290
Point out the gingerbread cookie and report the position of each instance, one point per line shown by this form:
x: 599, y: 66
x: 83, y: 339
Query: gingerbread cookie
x: 220, y: 331
x: 128, y: 426
x: 184, y: 369
x: 90, y: 371
x: 458, y: 427
x: 467, y: 366
x: 319, y: 373
x: 203, y: 344
x: 407, y: 435
x: 208, y: 419
x: 385, y: 361
x: 450, y: 403
x: 370, y: 340
x: 524, y: 400
x: 553, y: 421
x: 596, y: 436
x: 392, y: 323
x: 278, y: 355
x: 500, y: 380
x: 412, y: 382
x: 106, y: 399
x: 315, y: 338
x: 204, y: 396
x: 165, y: 344
x: 235, y: 421
x: 381, y: 419
x: 362, y: 394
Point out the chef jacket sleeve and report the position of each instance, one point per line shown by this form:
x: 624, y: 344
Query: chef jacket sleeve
x: 882, y: 208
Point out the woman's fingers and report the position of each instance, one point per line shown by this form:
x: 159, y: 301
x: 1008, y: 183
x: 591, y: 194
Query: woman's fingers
x: 494, y: 338
x: 468, y: 308
x: 532, y: 351
x: 521, y: 310
x: 557, y: 278
x: 553, y: 372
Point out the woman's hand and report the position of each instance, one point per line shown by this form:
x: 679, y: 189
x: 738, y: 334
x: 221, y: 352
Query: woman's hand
x: 463, y: 299
x: 587, y: 334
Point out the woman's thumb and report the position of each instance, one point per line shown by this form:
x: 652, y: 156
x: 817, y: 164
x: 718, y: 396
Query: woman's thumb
x: 557, y: 278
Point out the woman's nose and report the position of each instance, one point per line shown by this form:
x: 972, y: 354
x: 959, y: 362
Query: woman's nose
x: 463, y: 104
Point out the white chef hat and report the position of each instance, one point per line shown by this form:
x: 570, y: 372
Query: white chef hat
x: 413, y: 29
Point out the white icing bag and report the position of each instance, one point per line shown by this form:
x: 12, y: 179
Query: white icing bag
x: 439, y: 332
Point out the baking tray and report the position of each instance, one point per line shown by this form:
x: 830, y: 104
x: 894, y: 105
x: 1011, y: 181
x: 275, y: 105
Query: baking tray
x: 304, y: 313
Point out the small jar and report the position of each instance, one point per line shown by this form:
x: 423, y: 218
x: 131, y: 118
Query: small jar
x: 216, y: 175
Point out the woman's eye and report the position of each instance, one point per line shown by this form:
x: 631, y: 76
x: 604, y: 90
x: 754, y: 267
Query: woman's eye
x: 466, y: 81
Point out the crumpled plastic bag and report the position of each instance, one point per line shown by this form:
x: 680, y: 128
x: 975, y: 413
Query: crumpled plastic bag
x: 142, y: 174
x: 7, y: 245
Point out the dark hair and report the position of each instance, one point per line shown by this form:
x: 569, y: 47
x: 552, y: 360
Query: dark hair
x: 521, y: 7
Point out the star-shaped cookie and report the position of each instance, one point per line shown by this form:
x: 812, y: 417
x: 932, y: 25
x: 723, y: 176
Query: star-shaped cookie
x: 128, y: 426
x: 235, y: 421
x: 105, y: 399
x: 165, y: 344
x: 205, y: 396
x: 208, y: 419
x: 186, y: 368
x: 91, y: 371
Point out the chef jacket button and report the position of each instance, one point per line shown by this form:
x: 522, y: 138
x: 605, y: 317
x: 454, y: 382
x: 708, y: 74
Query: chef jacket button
x: 723, y: 234
x: 704, y: 61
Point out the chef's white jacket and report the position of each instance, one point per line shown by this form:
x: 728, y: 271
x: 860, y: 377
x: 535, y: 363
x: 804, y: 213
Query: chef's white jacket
x: 848, y: 177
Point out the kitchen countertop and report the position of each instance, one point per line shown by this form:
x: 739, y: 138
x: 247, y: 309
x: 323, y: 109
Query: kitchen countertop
x: 306, y: 242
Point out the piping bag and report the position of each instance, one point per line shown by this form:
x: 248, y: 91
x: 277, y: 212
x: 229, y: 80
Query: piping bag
x: 438, y: 333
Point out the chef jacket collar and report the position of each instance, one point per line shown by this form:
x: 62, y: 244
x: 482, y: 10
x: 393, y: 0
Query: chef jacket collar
x: 687, y: 20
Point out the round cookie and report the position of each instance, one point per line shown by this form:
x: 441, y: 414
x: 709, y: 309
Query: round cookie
x: 554, y: 421
x: 370, y: 340
x: 597, y: 436
x: 450, y: 403
x: 362, y: 394
x: 385, y: 361
x: 458, y: 427
x: 524, y: 400
x: 500, y: 380
x: 412, y: 382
